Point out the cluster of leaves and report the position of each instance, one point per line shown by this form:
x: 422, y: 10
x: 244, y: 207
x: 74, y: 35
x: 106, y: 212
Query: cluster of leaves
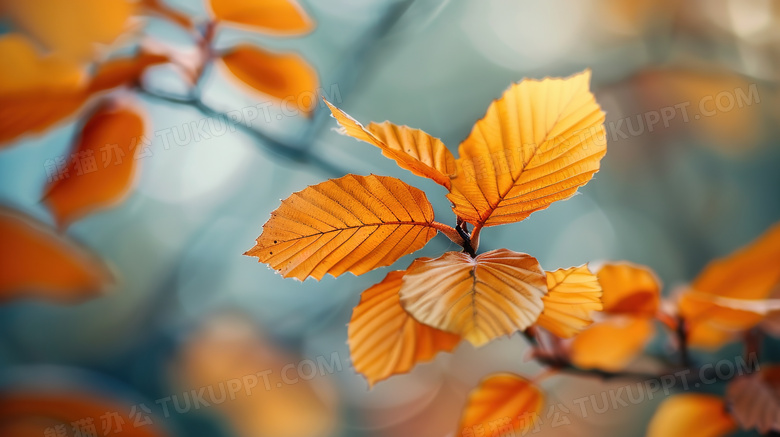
x: 70, y: 62
x: 538, y: 143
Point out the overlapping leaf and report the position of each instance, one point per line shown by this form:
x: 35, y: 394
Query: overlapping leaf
x: 629, y: 289
x: 691, y: 415
x: 286, y: 77
x: 102, y: 167
x: 497, y: 293
x: 274, y: 16
x: 384, y: 340
x: 504, y: 401
x: 39, y: 263
x: 353, y: 223
x: 537, y: 144
x: 572, y: 295
x: 412, y: 149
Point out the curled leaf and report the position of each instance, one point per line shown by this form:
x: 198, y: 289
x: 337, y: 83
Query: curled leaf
x: 37, y: 262
x: 384, y: 340
x: 274, y: 16
x: 353, y: 223
x: 502, y: 404
x: 755, y: 400
x: 572, y: 295
x: 285, y: 77
x: 102, y: 165
x: 497, y: 293
x: 537, y: 144
x: 411, y: 149
x: 610, y: 345
x: 691, y: 415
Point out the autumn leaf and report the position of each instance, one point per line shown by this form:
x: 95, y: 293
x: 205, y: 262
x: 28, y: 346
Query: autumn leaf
x: 507, y: 401
x: 102, y: 167
x: 72, y: 28
x: 497, y: 293
x: 384, y: 340
x: 537, y: 144
x: 271, y: 16
x: 629, y: 289
x: 35, y: 91
x: 691, y: 415
x: 29, y: 413
x: 611, y: 344
x: 572, y: 295
x: 123, y: 71
x: 412, y: 149
x: 285, y: 77
x: 39, y: 263
x: 754, y: 400
x: 353, y: 223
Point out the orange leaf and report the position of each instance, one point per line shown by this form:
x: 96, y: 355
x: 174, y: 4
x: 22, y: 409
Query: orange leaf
x: 72, y: 28
x: 35, y: 91
x: 572, y: 295
x: 38, y: 262
x: 38, y: 414
x: 691, y: 415
x: 286, y: 77
x: 629, y: 289
x: 353, y: 223
x: 411, y: 149
x: 507, y: 401
x: 755, y: 400
x: 497, y: 293
x: 274, y: 16
x: 537, y: 144
x: 612, y: 344
x: 102, y: 166
x: 384, y: 340
x: 123, y: 71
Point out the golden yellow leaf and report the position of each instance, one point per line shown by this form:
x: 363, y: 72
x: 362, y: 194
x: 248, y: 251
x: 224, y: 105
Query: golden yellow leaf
x: 102, y: 167
x: 691, y: 415
x: 123, y: 71
x: 30, y: 413
x: 629, y: 289
x: 497, y: 293
x: 35, y: 91
x: 502, y: 404
x: 353, y: 223
x: 537, y: 144
x: 39, y: 263
x: 286, y: 77
x: 71, y: 28
x: 610, y: 345
x: 384, y: 340
x: 274, y: 16
x: 754, y: 400
x: 412, y: 149
x: 572, y: 295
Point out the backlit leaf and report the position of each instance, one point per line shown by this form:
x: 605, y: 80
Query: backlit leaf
x: 503, y: 400
x: 274, y: 16
x: 537, y: 144
x: 755, y: 400
x: 35, y: 91
x: 285, y: 77
x: 497, y: 293
x: 610, y: 345
x: 123, y: 71
x: 691, y: 415
x: 412, y: 149
x: 629, y: 289
x: 572, y: 295
x: 71, y: 28
x: 102, y: 167
x: 37, y: 262
x: 350, y: 224
x: 384, y: 340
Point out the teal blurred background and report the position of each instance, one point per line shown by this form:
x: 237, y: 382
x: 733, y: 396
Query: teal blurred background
x: 188, y: 309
